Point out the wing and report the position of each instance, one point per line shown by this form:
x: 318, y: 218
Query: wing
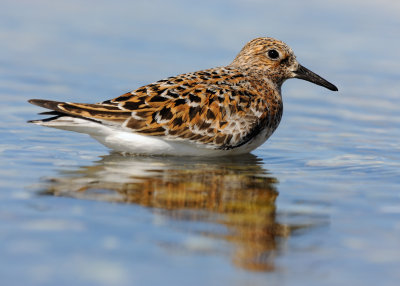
x: 219, y: 107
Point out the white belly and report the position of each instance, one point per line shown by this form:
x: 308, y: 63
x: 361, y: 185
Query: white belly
x: 140, y: 144
x: 124, y: 141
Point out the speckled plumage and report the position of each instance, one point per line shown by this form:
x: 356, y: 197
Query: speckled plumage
x: 231, y: 109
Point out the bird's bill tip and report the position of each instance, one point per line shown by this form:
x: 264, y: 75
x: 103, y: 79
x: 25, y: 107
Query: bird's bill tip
x: 306, y: 74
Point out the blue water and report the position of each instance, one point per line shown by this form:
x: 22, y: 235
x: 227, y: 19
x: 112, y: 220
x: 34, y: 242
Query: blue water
x: 318, y: 204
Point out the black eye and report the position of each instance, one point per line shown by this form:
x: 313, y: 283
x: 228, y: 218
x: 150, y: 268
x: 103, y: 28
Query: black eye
x: 273, y: 54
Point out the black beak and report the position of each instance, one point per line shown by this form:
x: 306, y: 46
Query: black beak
x: 306, y: 74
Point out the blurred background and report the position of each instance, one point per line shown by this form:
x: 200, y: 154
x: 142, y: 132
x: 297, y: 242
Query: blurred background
x: 318, y: 204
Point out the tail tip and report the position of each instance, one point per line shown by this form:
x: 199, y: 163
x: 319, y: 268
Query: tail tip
x: 34, y: 121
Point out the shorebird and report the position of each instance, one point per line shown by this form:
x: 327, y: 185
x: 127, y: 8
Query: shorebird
x: 219, y: 111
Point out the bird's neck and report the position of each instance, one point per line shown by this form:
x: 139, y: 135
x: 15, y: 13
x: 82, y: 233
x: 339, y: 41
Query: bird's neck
x: 265, y: 75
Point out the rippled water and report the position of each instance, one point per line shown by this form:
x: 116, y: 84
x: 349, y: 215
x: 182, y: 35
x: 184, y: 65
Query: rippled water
x: 318, y: 204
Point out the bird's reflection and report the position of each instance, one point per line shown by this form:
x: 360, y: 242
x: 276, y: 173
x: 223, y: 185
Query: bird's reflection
x: 236, y: 193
